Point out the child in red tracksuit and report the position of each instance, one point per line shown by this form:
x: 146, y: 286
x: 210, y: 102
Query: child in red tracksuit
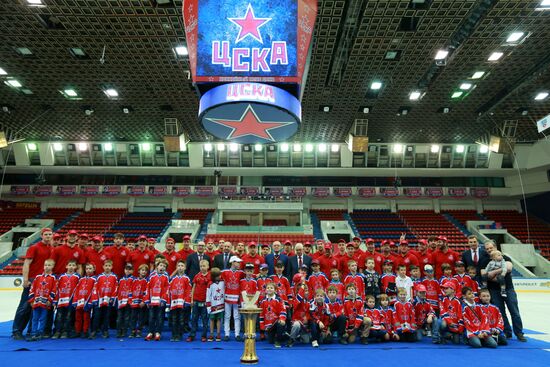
x: 66, y: 284
x: 272, y: 315
x: 451, y: 321
x: 180, y: 298
x: 282, y: 285
x: 354, y: 311
x: 387, y: 313
x: 41, y: 298
x: 404, y: 320
x: 138, y: 308
x: 374, y: 321
x: 476, y: 322
x: 82, y: 302
x: 496, y: 323
x: 300, y: 317
x: 320, y: 319
x: 336, y: 307
x: 156, y: 297
x: 103, y: 299
x: 124, y: 294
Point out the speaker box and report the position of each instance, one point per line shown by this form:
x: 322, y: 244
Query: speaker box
x: 358, y: 144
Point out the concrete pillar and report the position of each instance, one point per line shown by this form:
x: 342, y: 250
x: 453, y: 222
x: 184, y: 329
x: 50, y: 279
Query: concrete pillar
x: 46, y: 154
x: 436, y: 205
x: 21, y: 155
x: 195, y: 155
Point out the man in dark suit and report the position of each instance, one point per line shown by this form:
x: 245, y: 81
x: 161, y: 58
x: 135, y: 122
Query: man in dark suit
x: 296, y: 261
x: 475, y: 256
x: 221, y: 261
x: 193, y: 261
x: 276, y: 256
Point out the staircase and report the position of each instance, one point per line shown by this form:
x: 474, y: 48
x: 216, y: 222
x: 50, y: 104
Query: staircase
x: 316, y: 223
x: 204, y: 226
x: 457, y: 224
x: 352, y: 225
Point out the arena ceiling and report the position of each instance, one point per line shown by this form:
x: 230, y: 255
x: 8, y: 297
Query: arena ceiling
x: 354, y: 41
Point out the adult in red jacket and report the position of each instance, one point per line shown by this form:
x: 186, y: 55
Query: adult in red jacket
x: 141, y: 255
x: 69, y: 251
x: 405, y: 257
x: 97, y: 254
x: 423, y: 255
x: 443, y: 255
x: 186, y: 250
x: 351, y: 255
x: 118, y: 253
x: 371, y: 253
x: 327, y: 261
x: 253, y: 257
x: 386, y: 253
x: 171, y: 255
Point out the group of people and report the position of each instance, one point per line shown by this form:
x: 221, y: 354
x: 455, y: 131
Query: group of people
x: 310, y: 293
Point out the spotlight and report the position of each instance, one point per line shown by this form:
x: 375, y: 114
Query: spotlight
x: 483, y: 149
x: 57, y: 147
x: 397, y: 148
x: 441, y: 54
x: 258, y: 147
x: 495, y: 56
x: 460, y: 148
x: 335, y: 148
x: 284, y: 147
x: 108, y: 147
x: 208, y: 147
x: 32, y: 147
x: 82, y: 147
x: 435, y: 148
x: 221, y: 147
x: 234, y: 147
x: 322, y: 147
x: 146, y: 147
x: 297, y: 147
x: 309, y: 147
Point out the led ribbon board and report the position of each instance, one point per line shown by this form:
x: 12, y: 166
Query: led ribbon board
x: 249, y: 40
x: 249, y: 113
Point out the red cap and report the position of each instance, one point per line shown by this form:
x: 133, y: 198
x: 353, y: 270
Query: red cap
x: 448, y: 285
x: 252, y: 244
x: 170, y: 239
x: 56, y: 236
x: 315, y: 262
x: 424, y: 242
x: 350, y: 244
x: 73, y: 232
x: 44, y: 230
x: 307, y: 244
x: 83, y: 235
x: 265, y: 245
x: 186, y: 237
x: 420, y: 288
x: 357, y: 238
x: 369, y: 240
x: 97, y: 238
x: 442, y: 238
x: 142, y: 237
x: 385, y: 242
x: 297, y: 278
x: 209, y: 240
x: 151, y: 240
x: 287, y: 242
x: 341, y: 240
x: 404, y: 242
x: 328, y: 246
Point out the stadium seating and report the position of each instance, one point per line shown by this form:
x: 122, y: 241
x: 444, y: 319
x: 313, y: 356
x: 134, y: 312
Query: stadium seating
x: 94, y: 222
x: 133, y: 225
x: 330, y: 214
x: 516, y: 224
x: 195, y: 214
x: 464, y: 215
x: 14, y: 216
x: 425, y: 223
x: 59, y: 214
x: 380, y: 225
x: 14, y: 268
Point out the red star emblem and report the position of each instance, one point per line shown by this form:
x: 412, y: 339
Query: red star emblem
x: 249, y: 25
x: 249, y: 124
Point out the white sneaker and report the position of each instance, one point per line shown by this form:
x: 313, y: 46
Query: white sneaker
x: 314, y: 344
x: 428, y: 333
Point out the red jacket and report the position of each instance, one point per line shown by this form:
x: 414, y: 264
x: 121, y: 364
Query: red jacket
x: 232, y: 280
x: 156, y: 293
x: 83, y: 292
x: 172, y: 258
x: 475, y: 320
x: 105, y: 290
x: 353, y: 310
x: 137, y: 295
x: 378, y: 260
x: 444, y: 279
x: 387, y: 318
x: 336, y: 308
x: 439, y: 258
x: 327, y: 263
x: 422, y: 309
x: 387, y: 285
x: 283, y: 287
x: 465, y: 280
x: 97, y: 258
x: 404, y: 318
x: 124, y: 293
x: 320, y: 313
x: 317, y: 281
x: 255, y: 260
x: 66, y: 285
x: 262, y: 282
x: 250, y: 286
x: 300, y: 310
x: 43, y: 290
x: 273, y: 310
x: 341, y: 289
x: 200, y: 282
x: 451, y: 312
x: 423, y: 260
x: 496, y: 323
x: 356, y: 279
x: 408, y: 259
x: 180, y: 291
x: 118, y: 255
x: 433, y: 292
x: 376, y: 317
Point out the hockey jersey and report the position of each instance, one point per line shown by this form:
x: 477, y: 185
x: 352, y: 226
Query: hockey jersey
x: 66, y: 284
x: 353, y: 310
x: 475, y: 320
x: 83, y: 292
x: 105, y: 290
x: 156, y: 292
x: 283, y: 287
x: 458, y: 292
x: 180, y: 291
x: 336, y: 308
x: 404, y: 318
x: 232, y: 279
x: 273, y: 310
x: 43, y: 290
x: 376, y: 317
x: 250, y: 286
x: 465, y: 280
x: 215, y: 297
x: 341, y: 289
x: 320, y: 313
x: 387, y: 318
x: 356, y: 279
x: 262, y: 282
x: 300, y: 310
x: 422, y: 309
x: 433, y: 292
x: 137, y: 295
x: 124, y: 293
x: 387, y: 285
x: 317, y: 281
x: 451, y: 312
x: 494, y: 317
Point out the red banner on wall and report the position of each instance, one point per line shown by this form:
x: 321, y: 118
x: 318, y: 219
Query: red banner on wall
x: 320, y: 192
x: 457, y: 192
x: 412, y: 192
x: 181, y: 191
x: 274, y: 191
x: 135, y: 190
x: 479, y: 192
x: 297, y: 191
x: 366, y: 192
x: 434, y: 192
x: 204, y: 190
x: 389, y: 192
x: 43, y: 190
x: 66, y: 190
x: 158, y: 190
x: 227, y: 190
x: 249, y: 191
x: 342, y: 192
x: 20, y: 190
x: 89, y: 190
x: 112, y: 190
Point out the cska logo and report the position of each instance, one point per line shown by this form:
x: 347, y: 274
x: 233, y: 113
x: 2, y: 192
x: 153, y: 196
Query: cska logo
x: 246, y: 59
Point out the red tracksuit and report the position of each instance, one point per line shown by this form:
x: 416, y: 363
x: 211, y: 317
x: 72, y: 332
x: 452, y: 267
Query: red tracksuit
x: 327, y: 263
x: 283, y: 287
x: 137, y: 295
x: 317, y: 281
x: 66, y: 284
x: 444, y: 279
x: 475, y: 320
x: 273, y: 310
x: 451, y: 313
x: 105, y: 289
x: 232, y: 280
x: 356, y: 279
x: 465, y: 280
x: 353, y: 310
x: 336, y: 308
x: 404, y: 314
x: 433, y: 292
x: 124, y: 292
x: 256, y: 260
x: 156, y: 293
x: 180, y: 291
x: 43, y: 290
x: 82, y: 302
x: 376, y: 318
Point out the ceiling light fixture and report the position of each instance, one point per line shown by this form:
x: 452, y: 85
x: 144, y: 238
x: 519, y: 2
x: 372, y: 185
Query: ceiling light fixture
x: 297, y: 147
x: 57, y: 147
x: 376, y: 85
x: 415, y: 95
x: 335, y: 148
x: 322, y: 147
x: 495, y: 56
x: 515, y: 37
x: 258, y: 147
x: 82, y: 147
x: 483, y: 149
x: 284, y: 147
x: 3, y: 72
x: 434, y: 148
x: 478, y: 75
x: 13, y: 83
x: 181, y: 51
x: 111, y: 92
x: 108, y: 147
x: 541, y: 96
x: 460, y: 148
x: 397, y: 148
x: 32, y: 147
x: 309, y: 147
x: 441, y: 54
x: 221, y: 147
x: 466, y: 86
x: 234, y: 147
x: 208, y: 147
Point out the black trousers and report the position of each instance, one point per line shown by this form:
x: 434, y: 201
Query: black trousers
x: 63, y: 318
x: 275, y: 333
x: 100, y: 318
x: 123, y: 319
